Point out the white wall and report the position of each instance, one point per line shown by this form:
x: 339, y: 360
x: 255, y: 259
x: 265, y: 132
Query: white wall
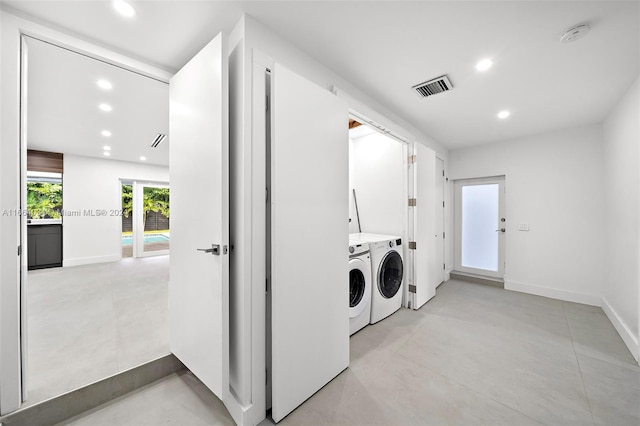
x: 554, y: 182
x: 376, y: 173
x: 621, y: 164
x: 91, y: 184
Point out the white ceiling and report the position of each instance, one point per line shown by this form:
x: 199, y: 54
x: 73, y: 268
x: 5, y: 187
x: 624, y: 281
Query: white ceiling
x: 385, y: 47
x: 63, y: 114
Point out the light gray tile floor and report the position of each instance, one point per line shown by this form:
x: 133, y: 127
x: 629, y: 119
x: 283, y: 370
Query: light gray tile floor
x: 472, y: 355
x: 89, y: 322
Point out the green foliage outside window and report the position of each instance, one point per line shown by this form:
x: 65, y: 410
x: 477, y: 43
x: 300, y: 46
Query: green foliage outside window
x: 154, y: 200
x: 44, y: 200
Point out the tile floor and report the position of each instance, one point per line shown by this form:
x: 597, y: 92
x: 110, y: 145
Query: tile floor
x: 472, y: 355
x: 89, y: 322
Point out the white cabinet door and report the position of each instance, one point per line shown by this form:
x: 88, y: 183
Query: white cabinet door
x: 199, y: 183
x: 309, y: 240
x: 425, y: 231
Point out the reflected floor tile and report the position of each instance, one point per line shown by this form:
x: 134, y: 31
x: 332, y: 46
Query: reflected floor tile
x: 91, y: 321
x: 178, y: 399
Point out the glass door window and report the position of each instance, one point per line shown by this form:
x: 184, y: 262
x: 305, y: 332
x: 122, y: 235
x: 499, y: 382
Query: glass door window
x: 480, y: 225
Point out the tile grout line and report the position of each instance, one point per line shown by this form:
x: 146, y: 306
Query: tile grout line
x: 472, y: 389
x: 575, y: 353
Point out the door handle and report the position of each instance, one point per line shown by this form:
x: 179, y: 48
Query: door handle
x: 214, y: 250
x: 501, y: 230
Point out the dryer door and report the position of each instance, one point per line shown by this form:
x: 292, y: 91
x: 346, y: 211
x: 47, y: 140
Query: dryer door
x: 390, y: 274
x: 357, y: 287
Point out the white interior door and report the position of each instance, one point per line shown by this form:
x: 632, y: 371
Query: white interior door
x: 199, y: 280
x: 309, y: 239
x: 426, y: 271
x: 480, y: 226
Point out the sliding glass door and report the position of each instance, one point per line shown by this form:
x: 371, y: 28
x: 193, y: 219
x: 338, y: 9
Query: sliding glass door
x: 151, y: 233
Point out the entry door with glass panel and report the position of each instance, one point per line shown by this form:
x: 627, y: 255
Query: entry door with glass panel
x: 480, y: 226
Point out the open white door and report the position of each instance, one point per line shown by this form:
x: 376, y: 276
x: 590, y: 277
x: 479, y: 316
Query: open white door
x: 199, y: 183
x: 427, y: 238
x: 309, y: 239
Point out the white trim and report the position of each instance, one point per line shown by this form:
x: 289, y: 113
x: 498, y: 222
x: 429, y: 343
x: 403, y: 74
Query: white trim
x: 91, y: 260
x: 622, y: 328
x: 553, y: 293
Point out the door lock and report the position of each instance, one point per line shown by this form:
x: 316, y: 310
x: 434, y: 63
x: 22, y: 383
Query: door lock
x: 214, y: 250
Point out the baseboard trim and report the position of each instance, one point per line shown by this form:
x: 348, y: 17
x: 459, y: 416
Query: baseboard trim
x: 79, y: 261
x: 477, y: 279
x: 622, y: 328
x: 554, y: 293
x: 78, y: 401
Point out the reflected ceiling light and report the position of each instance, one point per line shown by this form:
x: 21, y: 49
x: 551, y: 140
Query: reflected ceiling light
x: 124, y: 8
x: 106, y: 154
x: 105, y: 133
x: 106, y: 148
x: 104, y: 84
x: 484, y: 65
x: 143, y: 158
x: 503, y: 114
x: 105, y: 107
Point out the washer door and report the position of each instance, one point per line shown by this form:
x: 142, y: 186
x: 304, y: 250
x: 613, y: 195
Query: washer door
x: 390, y: 274
x: 358, y: 282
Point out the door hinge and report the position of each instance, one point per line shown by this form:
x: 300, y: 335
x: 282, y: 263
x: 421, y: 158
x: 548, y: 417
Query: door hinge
x: 443, y: 204
x: 19, y: 250
x: 267, y: 106
x: 412, y: 202
x: 412, y: 159
x: 443, y: 173
x: 443, y: 236
x: 412, y: 245
x: 412, y: 288
x: 444, y: 266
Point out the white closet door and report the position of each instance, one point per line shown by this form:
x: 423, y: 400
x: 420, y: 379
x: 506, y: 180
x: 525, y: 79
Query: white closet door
x: 309, y: 199
x: 425, y: 231
x: 199, y: 183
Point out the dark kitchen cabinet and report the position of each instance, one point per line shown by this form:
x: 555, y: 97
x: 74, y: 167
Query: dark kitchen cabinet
x: 45, y: 246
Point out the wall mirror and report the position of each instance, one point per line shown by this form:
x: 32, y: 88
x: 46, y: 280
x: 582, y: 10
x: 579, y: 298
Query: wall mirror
x: 93, y: 308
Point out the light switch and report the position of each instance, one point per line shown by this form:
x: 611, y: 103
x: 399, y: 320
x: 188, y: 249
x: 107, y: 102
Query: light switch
x: 523, y: 227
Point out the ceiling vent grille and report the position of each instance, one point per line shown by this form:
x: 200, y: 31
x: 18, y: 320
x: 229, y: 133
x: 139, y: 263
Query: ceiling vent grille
x: 433, y: 87
x: 158, y: 140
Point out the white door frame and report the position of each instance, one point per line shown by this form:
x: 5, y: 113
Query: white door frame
x: 13, y: 165
x: 458, y: 183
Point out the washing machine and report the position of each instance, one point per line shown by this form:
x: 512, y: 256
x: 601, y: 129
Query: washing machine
x: 359, y: 286
x: 387, y: 267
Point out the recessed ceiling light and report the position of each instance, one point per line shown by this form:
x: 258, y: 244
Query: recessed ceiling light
x: 106, y: 154
x: 105, y: 133
x: 143, y: 158
x: 106, y: 148
x: 104, y: 84
x: 124, y: 8
x: 503, y: 114
x: 105, y: 107
x: 484, y: 65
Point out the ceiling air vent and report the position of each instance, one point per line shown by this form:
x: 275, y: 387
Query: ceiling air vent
x: 433, y: 87
x: 158, y: 140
